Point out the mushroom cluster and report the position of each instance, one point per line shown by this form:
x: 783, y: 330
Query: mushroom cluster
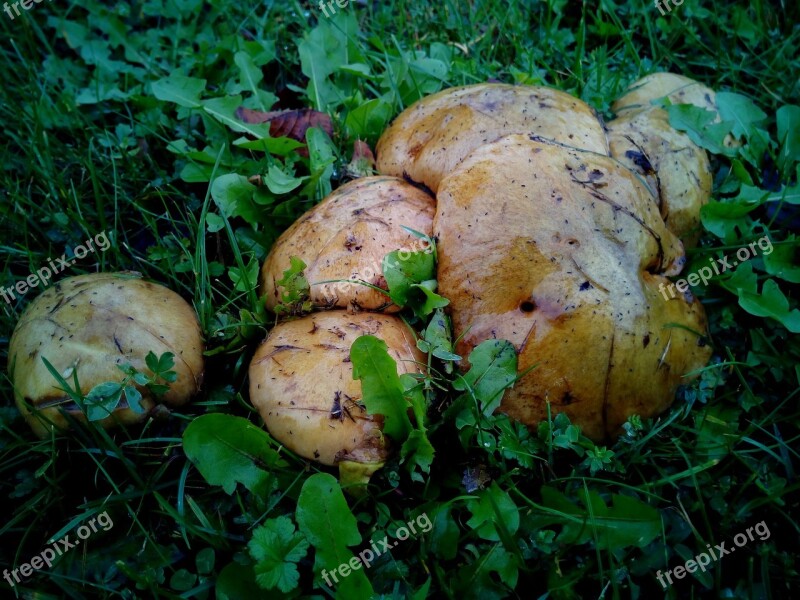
x: 554, y: 231
x: 301, y: 377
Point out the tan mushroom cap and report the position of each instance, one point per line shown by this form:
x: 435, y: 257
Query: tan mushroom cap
x: 345, y: 237
x: 429, y: 139
x: 676, y: 170
x: 679, y: 90
x: 562, y: 253
x: 89, y: 324
x: 301, y: 381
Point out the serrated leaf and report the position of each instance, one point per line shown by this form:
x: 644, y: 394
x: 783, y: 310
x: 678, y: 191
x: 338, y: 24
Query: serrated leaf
x: 493, y: 369
x: 493, y: 508
x: 277, y: 547
x: 228, y: 450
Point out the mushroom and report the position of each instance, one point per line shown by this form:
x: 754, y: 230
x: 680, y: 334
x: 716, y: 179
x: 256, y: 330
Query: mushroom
x: 564, y: 253
x: 429, y: 139
x: 343, y: 239
x: 301, y: 382
x: 679, y: 90
x: 676, y: 170
x: 89, y: 326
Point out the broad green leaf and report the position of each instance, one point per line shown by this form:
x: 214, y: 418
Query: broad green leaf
x: 437, y: 339
x: 402, y: 269
x: 282, y: 146
x: 102, y: 400
x: 245, y: 279
x: 699, y: 126
x: 233, y: 195
x: 382, y: 391
x: 322, y: 156
x: 237, y: 581
x: 280, y: 182
x: 772, y: 303
x: 788, y: 121
x: 493, y: 369
x: 249, y: 75
x: 493, y: 509
x: 626, y: 522
x: 324, y: 517
x: 741, y: 112
x: 224, y: 111
x: 134, y: 399
x: 781, y: 260
x: 727, y: 219
x: 410, y: 277
x: 228, y: 450
x: 181, y: 90
x: 182, y: 580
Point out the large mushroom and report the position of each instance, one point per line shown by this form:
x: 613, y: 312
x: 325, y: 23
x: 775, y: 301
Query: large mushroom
x: 429, y: 139
x: 90, y: 325
x: 301, y: 381
x: 564, y: 253
x: 343, y: 239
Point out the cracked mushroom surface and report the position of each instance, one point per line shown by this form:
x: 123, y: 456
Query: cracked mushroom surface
x: 89, y: 325
x: 301, y: 382
x: 345, y: 237
x: 430, y: 138
x: 676, y: 170
x: 562, y: 252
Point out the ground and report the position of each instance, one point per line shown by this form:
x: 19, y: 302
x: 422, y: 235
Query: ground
x: 120, y: 120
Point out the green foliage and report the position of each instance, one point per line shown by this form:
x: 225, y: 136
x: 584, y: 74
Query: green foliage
x: 122, y: 117
x: 294, y: 297
x: 411, y: 279
x: 103, y: 398
x: 277, y: 547
x: 387, y: 394
x: 228, y: 450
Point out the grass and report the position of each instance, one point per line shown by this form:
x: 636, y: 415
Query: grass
x: 87, y: 148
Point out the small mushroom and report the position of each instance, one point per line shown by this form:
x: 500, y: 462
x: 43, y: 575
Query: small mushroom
x: 344, y: 238
x: 90, y: 325
x: 679, y: 90
x: 301, y: 382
